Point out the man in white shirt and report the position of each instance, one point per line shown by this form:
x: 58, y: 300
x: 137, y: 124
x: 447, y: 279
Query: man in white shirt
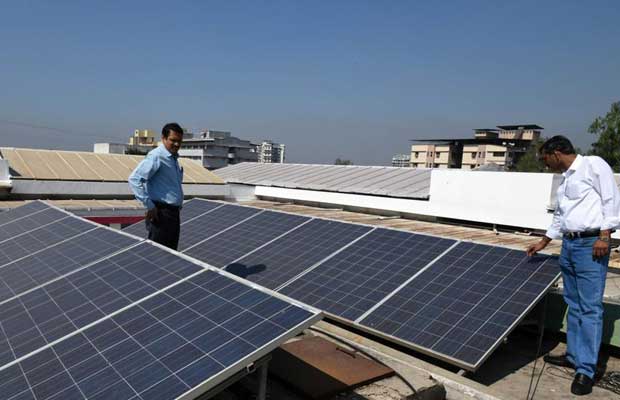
x: 586, y: 213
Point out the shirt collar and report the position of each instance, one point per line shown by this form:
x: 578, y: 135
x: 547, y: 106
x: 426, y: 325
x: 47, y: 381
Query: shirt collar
x: 574, y: 165
x: 167, y: 153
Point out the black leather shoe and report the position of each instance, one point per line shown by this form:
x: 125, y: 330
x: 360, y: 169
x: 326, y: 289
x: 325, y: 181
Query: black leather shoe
x: 582, y: 385
x: 560, y: 361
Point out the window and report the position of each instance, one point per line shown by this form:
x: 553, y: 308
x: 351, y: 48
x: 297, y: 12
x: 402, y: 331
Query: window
x: 499, y: 154
x: 473, y: 155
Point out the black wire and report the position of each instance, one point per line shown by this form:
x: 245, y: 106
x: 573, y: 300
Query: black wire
x: 541, y: 321
x: 348, y: 343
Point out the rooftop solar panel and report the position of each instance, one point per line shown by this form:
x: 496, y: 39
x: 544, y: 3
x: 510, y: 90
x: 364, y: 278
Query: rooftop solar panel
x: 58, y: 308
x: 238, y: 241
x: 57, y: 260
x: 38, y: 239
x: 461, y: 307
x: 212, y: 223
x: 195, y: 207
x: 29, y: 222
x: 288, y: 256
x: 176, y: 344
x: 22, y: 211
x: 360, y: 276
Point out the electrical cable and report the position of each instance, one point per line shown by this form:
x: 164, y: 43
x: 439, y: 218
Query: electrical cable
x: 367, y: 354
x: 541, y: 322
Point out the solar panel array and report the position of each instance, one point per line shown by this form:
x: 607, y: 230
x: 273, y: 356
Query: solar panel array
x: 89, y: 312
x: 450, y: 299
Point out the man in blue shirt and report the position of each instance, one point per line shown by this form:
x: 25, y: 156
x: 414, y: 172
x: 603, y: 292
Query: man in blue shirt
x: 157, y: 183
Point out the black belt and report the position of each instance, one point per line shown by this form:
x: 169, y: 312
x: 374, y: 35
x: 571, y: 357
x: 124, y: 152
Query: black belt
x: 584, y: 234
x: 159, y: 204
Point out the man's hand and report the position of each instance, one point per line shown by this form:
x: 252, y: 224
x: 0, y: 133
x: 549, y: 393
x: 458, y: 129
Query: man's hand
x: 600, y: 249
x: 535, y: 248
x: 151, y: 215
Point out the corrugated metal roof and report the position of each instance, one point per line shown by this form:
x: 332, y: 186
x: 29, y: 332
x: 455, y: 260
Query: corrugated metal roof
x: 35, y: 164
x: 385, y: 181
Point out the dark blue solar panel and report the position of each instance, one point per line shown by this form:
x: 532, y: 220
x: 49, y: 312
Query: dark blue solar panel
x: 356, y: 279
x: 65, y: 257
x: 38, y: 239
x: 214, y: 222
x: 177, y: 341
x: 231, y: 245
x: 191, y: 209
x: 58, y: 308
x: 463, y: 305
x: 22, y: 211
x: 290, y: 255
x: 196, y: 207
x: 30, y: 222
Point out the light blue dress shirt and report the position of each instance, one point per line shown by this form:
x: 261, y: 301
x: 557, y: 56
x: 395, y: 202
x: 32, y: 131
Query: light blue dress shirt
x: 158, y: 177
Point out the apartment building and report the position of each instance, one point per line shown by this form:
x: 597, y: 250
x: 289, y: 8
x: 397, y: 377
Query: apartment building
x: 401, y: 160
x: 270, y: 152
x: 501, y: 147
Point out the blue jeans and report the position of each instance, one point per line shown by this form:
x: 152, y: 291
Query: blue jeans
x: 584, y: 284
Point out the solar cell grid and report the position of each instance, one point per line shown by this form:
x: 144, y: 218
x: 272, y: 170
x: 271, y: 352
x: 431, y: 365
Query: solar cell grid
x: 357, y: 278
x: 41, y: 238
x: 30, y: 222
x: 65, y: 257
x: 60, y: 307
x: 22, y: 211
x: 463, y: 305
x: 288, y: 256
x: 162, y: 348
x: 228, y: 246
x: 196, y: 207
x: 214, y: 222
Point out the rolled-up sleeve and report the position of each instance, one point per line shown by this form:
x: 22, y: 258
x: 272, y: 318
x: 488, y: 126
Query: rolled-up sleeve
x: 555, y: 229
x: 605, y: 185
x: 139, y: 178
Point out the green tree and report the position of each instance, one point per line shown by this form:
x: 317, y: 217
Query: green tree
x: 529, y: 162
x: 607, y: 129
x: 340, y: 161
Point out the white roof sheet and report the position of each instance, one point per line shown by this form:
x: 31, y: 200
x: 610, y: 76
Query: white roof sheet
x: 385, y: 181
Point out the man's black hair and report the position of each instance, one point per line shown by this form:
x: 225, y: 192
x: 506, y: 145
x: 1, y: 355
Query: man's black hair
x: 559, y: 143
x: 172, y: 126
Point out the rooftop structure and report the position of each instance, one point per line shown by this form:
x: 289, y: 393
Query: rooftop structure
x: 377, y: 181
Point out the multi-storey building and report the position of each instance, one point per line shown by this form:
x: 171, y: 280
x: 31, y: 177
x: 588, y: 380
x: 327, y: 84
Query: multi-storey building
x: 401, y: 160
x: 502, y: 147
x: 216, y: 149
x: 269, y: 152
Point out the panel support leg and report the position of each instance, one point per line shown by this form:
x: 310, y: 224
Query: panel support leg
x: 262, y: 381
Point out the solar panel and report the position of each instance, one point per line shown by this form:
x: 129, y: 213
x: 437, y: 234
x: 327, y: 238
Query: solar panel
x: 22, y: 211
x: 177, y: 344
x: 38, y: 239
x: 236, y: 242
x: 50, y: 263
x: 360, y: 276
x: 207, y: 225
x: 191, y: 209
x: 195, y: 207
x: 288, y: 256
x: 461, y: 307
x: 58, y: 308
x: 29, y: 222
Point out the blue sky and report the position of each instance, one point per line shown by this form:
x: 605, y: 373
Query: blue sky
x: 349, y: 79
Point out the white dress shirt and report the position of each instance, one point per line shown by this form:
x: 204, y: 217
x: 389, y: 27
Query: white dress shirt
x: 587, y: 199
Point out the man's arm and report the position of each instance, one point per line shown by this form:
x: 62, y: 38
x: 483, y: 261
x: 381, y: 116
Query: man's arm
x: 605, y: 185
x: 139, y: 178
x: 554, y: 232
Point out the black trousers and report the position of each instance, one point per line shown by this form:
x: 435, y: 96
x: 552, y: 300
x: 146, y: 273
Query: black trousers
x: 167, y: 228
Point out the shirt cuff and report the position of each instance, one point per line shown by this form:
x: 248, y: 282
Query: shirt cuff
x: 553, y: 234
